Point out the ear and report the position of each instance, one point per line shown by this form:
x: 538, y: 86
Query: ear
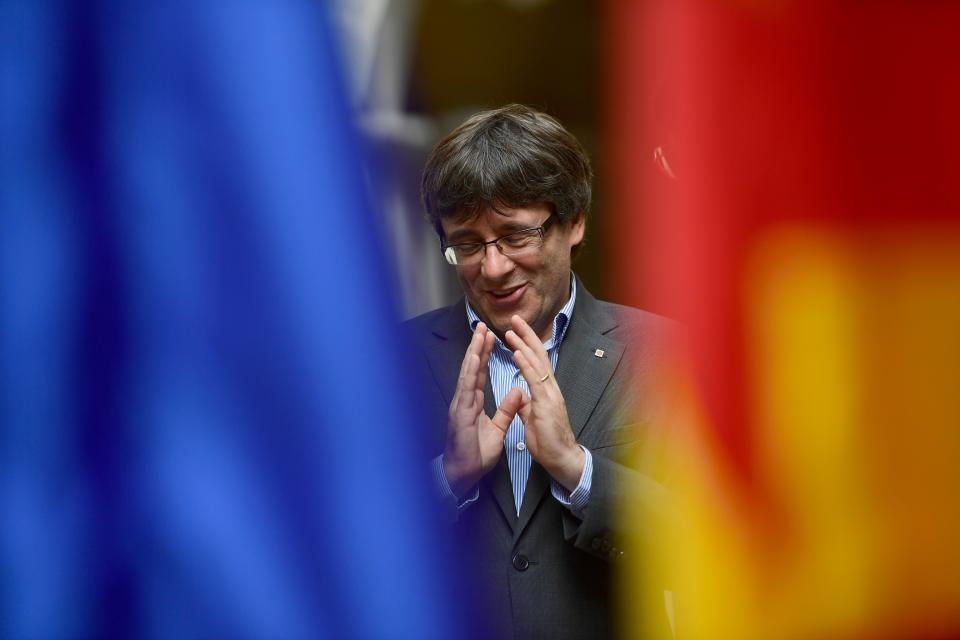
x: 578, y: 226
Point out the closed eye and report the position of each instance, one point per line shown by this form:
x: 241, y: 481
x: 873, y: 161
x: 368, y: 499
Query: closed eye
x: 521, y: 238
x: 468, y: 248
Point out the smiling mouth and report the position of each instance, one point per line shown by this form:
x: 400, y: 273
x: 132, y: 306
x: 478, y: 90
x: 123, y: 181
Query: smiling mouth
x: 506, y: 297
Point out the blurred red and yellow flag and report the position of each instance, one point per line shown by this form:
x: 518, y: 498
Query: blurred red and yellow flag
x: 786, y: 177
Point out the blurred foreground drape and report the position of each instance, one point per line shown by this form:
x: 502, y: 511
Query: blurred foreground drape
x: 205, y: 427
x: 786, y: 175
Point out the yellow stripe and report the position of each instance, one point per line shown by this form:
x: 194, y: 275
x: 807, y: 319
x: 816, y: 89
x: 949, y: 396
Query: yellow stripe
x: 854, y: 368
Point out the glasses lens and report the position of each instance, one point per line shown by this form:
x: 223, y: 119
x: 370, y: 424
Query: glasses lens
x: 521, y: 242
x: 513, y: 245
x: 462, y: 254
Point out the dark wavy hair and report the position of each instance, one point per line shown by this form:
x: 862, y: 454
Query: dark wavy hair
x: 513, y: 156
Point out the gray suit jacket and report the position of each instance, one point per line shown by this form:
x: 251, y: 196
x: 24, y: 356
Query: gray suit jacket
x: 546, y: 573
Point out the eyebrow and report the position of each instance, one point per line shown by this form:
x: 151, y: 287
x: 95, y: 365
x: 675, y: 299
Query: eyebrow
x: 463, y: 235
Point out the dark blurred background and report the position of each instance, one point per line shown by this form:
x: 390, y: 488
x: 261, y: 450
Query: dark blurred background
x: 419, y: 68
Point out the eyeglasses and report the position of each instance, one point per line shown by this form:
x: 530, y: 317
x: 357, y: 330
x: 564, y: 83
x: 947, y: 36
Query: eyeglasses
x: 513, y: 245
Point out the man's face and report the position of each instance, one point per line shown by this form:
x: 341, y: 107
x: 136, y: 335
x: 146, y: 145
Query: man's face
x: 534, y: 286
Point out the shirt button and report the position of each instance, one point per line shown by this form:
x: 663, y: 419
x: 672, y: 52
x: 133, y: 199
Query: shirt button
x: 521, y: 446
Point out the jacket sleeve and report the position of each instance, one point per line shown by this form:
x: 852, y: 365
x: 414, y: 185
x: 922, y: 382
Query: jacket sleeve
x: 625, y: 509
x: 630, y: 436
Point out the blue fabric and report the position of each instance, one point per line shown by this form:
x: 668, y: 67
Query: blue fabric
x: 205, y: 426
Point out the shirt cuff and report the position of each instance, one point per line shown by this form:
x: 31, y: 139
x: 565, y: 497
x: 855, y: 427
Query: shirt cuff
x: 445, y: 493
x: 578, y: 499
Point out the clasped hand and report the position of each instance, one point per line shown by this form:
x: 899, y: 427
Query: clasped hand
x: 474, y: 440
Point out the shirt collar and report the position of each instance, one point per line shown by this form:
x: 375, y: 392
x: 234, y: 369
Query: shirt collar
x: 560, y: 322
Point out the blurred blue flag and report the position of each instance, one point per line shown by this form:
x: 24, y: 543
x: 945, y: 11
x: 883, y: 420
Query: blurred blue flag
x: 205, y: 426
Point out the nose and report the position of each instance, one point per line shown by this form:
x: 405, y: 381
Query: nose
x: 494, y: 264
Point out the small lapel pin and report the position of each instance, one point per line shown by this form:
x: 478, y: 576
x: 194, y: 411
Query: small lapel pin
x: 599, y: 353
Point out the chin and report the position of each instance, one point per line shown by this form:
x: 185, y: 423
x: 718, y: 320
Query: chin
x: 500, y: 325
x: 503, y: 323
x: 499, y: 319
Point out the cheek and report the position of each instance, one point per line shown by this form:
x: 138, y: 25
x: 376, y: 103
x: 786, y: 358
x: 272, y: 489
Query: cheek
x: 549, y: 269
x: 466, y: 279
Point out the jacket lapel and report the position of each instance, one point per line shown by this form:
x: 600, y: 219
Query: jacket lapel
x: 588, y: 358
x: 582, y: 376
x: 498, y: 480
x: 445, y: 357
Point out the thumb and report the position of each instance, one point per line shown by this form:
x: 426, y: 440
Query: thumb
x: 507, y: 409
x: 524, y: 407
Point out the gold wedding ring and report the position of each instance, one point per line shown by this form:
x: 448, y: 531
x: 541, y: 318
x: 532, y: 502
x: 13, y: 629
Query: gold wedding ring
x: 545, y: 376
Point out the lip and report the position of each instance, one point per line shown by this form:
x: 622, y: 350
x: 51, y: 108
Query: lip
x: 512, y: 298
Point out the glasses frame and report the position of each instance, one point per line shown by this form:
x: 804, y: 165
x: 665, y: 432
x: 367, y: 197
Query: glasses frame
x: 451, y: 257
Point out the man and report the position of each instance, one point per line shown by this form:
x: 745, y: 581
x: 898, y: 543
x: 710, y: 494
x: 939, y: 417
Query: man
x: 544, y: 399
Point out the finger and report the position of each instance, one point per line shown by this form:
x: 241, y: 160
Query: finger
x: 471, y: 348
x: 508, y: 409
x: 538, y: 358
x: 478, y: 337
x: 518, y: 344
x: 524, y: 410
x: 463, y: 396
x: 529, y: 371
x: 487, y: 347
x: 477, y: 403
x: 529, y: 337
x: 467, y: 392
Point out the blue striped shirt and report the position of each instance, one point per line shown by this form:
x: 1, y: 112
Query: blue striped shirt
x: 504, y: 375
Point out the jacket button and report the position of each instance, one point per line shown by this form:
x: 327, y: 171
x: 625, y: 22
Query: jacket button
x: 520, y: 562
